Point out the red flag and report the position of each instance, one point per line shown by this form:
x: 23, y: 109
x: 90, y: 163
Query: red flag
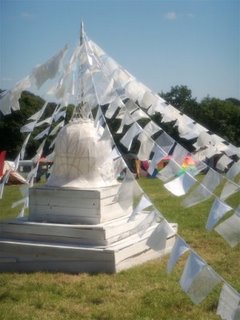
x: 2, y: 159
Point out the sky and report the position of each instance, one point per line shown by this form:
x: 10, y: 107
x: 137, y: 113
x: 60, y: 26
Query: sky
x: 162, y: 43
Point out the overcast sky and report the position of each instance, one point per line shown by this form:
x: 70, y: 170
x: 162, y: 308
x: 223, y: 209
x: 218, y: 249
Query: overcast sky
x: 162, y: 43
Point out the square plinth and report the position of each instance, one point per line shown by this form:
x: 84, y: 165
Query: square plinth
x: 75, y: 206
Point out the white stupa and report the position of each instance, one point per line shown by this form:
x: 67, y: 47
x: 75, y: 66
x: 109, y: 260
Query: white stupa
x: 83, y: 219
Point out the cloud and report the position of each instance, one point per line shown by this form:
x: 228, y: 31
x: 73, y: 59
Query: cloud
x: 170, y: 15
x: 27, y: 15
x: 6, y: 79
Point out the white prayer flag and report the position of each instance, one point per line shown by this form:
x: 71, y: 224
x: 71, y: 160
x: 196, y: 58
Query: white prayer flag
x: 128, y: 189
x: 192, y: 267
x: 3, y: 181
x: 158, y: 155
x: 179, y: 248
x: 151, y: 218
x: 132, y: 132
x: 49, y: 69
x: 139, y: 114
x: 205, y: 190
x: 150, y: 129
x: 131, y: 106
x: 29, y: 127
x: 32, y: 174
x: 202, y: 284
x: 233, y: 171
x: 165, y: 142
x: 223, y: 162
x: 170, y: 114
x: 180, y: 185
x: 113, y: 106
x: 218, y: 210
x: 230, y: 230
x: 143, y: 204
x: 17, y: 203
x: 58, y: 115
x: 106, y: 135
x: 158, y: 106
x: 47, y: 120
x: 56, y: 128
x: 197, y: 196
x: 148, y: 99
x: 145, y: 148
x: 42, y: 134
x: 229, y: 189
x: 157, y: 240
x: 228, y: 303
x: 22, y: 151
x: 39, y: 152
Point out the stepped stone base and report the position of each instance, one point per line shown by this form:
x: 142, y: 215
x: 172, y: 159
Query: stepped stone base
x: 26, y: 246
x: 71, y: 230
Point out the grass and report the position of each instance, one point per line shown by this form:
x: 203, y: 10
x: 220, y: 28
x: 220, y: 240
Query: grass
x: 144, y: 292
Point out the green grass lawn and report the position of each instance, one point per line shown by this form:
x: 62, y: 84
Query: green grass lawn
x: 144, y: 292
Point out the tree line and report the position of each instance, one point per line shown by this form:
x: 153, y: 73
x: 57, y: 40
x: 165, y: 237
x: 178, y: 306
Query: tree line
x: 219, y: 116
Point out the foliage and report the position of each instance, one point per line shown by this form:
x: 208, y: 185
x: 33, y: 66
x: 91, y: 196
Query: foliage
x: 141, y: 293
x: 11, y: 138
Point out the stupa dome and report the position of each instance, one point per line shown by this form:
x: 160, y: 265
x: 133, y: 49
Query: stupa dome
x: 82, y: 159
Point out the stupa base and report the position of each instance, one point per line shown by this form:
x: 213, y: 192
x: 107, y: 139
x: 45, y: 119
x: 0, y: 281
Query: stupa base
x: 28, y: 247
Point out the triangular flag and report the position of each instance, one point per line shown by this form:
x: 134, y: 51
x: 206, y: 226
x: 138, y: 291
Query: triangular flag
x: 143, y: 204
x: 202, y: 284
x: 179, y: 248
x: 230, y: 230
x: 228, y: 303
x: 218, y: 210
x: 180, y: 185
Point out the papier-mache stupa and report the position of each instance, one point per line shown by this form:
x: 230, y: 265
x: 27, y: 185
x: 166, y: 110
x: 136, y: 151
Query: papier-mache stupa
x: 84, y: 218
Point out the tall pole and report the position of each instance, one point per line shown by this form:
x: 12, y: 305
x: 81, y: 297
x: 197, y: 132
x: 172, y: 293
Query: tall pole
x: 81, y: 33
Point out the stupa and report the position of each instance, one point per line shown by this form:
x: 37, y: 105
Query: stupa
x: 83, y: 219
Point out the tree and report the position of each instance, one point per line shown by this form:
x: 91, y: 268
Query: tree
x: 11, y: 137
x: 180, y: 97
